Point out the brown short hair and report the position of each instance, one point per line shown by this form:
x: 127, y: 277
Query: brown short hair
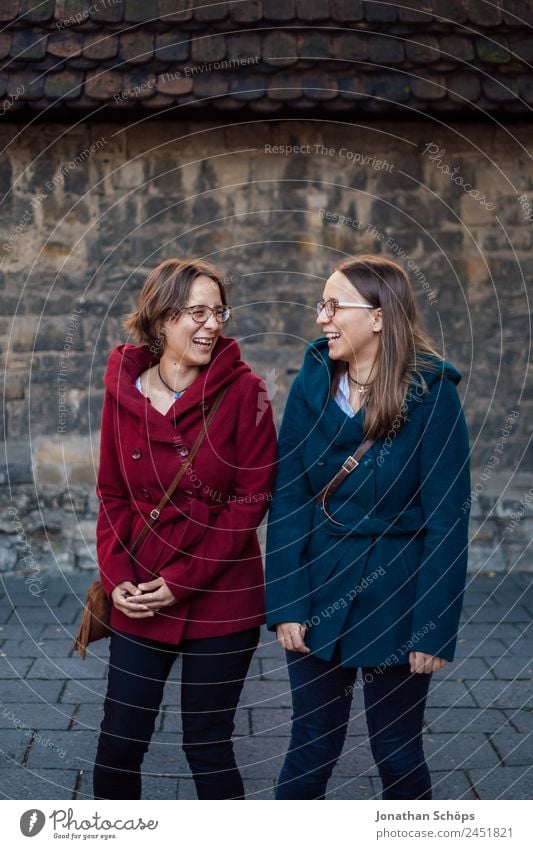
x: 165, y: 291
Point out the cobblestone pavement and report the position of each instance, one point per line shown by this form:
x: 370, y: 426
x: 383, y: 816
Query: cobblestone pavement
x: 479, y: 717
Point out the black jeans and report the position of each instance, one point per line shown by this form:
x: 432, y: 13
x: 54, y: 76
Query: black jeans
x: 213, y: 673
x: 322, y: 696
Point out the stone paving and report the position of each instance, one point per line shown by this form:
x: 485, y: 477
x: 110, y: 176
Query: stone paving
x: 479, y: 720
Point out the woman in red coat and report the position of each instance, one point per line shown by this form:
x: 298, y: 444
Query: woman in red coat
x: 194, y: 586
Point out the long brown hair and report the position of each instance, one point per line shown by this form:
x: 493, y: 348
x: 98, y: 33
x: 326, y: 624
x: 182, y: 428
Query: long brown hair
x: 404, y: 347
x: 165, y: 290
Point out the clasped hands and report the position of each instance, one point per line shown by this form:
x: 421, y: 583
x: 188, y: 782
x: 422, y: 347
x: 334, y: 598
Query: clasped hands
x: 144, y: 600
x: 291, y: 636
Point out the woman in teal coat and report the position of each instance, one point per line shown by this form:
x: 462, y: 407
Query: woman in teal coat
x: 372, y: 573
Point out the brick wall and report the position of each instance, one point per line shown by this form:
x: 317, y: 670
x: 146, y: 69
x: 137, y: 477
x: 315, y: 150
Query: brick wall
x: 88, y: 210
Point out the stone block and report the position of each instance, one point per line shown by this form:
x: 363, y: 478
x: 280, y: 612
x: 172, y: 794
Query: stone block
x: 510, y: 782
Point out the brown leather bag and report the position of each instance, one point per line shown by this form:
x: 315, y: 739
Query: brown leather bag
x: 95, y: 623
x: 346, y: 469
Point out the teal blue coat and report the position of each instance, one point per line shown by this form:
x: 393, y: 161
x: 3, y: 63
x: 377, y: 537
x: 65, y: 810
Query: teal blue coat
x: 391, y: 578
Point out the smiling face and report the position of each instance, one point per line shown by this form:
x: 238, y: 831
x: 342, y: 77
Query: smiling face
x: 186, y: 342
x: 353, y: 334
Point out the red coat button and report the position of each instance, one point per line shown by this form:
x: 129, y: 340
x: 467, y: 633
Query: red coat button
x: 136, y: 454
x: 182, y: 450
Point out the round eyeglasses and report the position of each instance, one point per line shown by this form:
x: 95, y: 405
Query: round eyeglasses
x: 332, y: 305
x: 201, y: 313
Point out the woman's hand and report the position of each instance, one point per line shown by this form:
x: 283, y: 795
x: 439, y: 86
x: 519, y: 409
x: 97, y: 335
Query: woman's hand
x: 421, y: 662
x: 291, y: 636
x: 155, y: 595
x: 143, y: 601
x: 123, y: 597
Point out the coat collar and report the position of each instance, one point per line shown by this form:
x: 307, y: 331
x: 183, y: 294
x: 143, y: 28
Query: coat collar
x: 316, y: 376
x: 126, y: 362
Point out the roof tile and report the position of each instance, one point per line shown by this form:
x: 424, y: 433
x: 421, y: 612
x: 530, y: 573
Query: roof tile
x: 429, y: 88
x: 100, y: 46
x: 385, y: 50
x: 463, y: 87
x: 279, y: 10
x: 248, y: 12
x: 5, y: 44
x: 451, y: 10
x: 485, y: 15
x: 422, y: 49
x: 64, y: 85
x: 347, y: 10
x: 380, y: 11
x: 285, y: 86
x: 212, y: 11
x: 37, y: 12
x: 172, y: 46
x: 518, y: 12
x: 108, y: 11
x: 457, y: 46
x: 522, y: 45
x: 9, y: 10
x: 315, y: 45
x: 102, y: 85
x: 136, y: 47
x: 500, y: 88
x: 247, y: 87
x: 411, y: 15
x: 167, y: 10
x: 354, y: 86
x: 525, y: 87
x: 391, y: 87
x: 280, y: 49
x: 493, y: 49
x: 243, y: 46
x: 312, y: 10
x: 27, y: 44
x: 174, y: 83
x: 25, y: 85
x: 351, y: 46
x: 319, y: 86
x: 211, y: 85
x: 139, y: 11
x: 210, y: 48
x: 139, y: 84
x: 65, y: 44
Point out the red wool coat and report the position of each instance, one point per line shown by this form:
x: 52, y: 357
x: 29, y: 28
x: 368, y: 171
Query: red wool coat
x: 204, y: 543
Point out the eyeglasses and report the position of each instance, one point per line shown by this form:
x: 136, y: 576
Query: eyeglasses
x: 332, y: 305
x: 201, y: 313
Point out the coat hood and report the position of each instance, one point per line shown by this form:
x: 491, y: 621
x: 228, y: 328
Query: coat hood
x: 315, y: 379
x: 126, y: 362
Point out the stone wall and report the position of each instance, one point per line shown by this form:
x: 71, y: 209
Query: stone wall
x: 89, y: 210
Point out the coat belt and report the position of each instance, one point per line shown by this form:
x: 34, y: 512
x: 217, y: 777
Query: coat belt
x: 409, y: 522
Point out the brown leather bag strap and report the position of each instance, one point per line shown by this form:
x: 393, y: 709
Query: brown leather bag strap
x: 154, y: 514
x: 347, y: 467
